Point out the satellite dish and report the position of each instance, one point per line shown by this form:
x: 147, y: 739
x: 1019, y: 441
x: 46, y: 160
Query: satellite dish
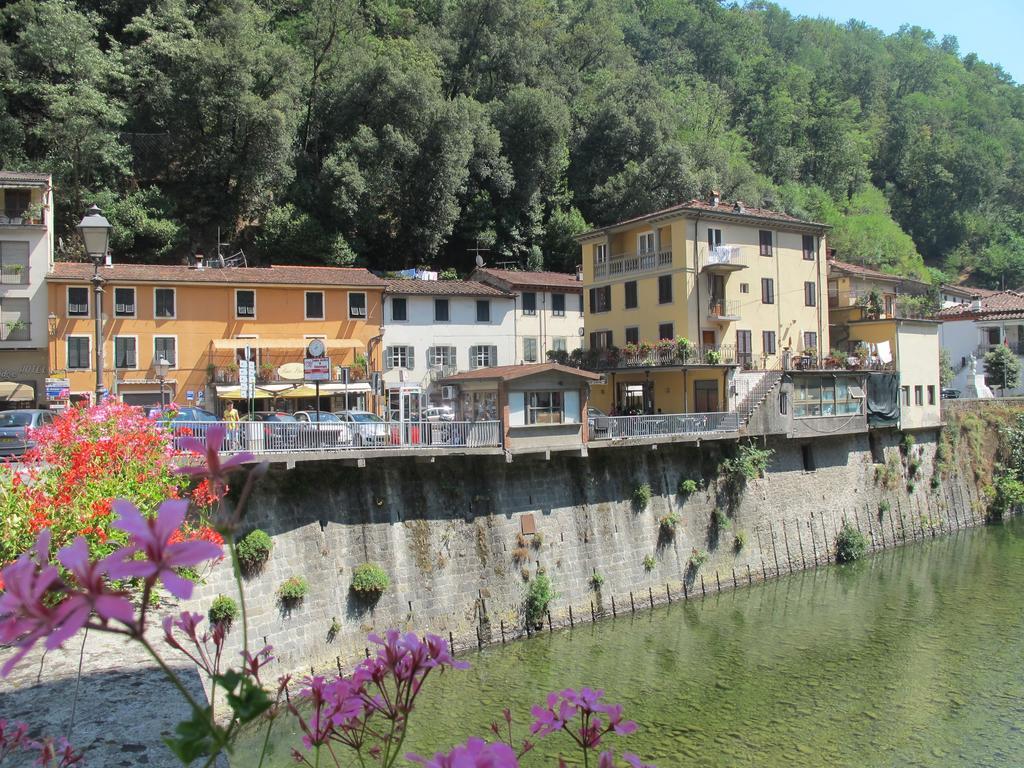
x: 479, y: 260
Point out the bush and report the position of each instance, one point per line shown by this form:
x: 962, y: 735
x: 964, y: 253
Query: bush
x: 749, y: 463
x: 223, y: 610
x: 253, y: 550
x: 642, y: 496
x: 883, y: 508
x: 740, y: 541
x: 649, y: 563
x: 1005, y: 495
x: 698, y: 557
x: 520, y: 555
x: 293, y: 589
x: 370, y: 578
x: 539, y: 595
x: 596, y: 580
x: 720, y: 519
x: 668, y: 524
x: 850, y: 544
x: 687, y: 486
x: 908, y: 443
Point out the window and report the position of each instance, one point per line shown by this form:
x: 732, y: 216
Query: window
x: 79, y: 352
x: 744, y: 287
x: 807, y: 453
x: 399, y: 357
x: 13, y: 263
x: 558, y: 304
x: 601, y: 254
x: 483, y: 311
x: 768, y: 342
x: 125, y: 352
x: 163, y: 303
x: 558, y: 344
x: 441, y: 357
x: 530, y: 349
x: 714, y: 238
x: 314, y: 305
x: 810, y: 298
x: 357, y: 306
x: 633, y: 335
x: 764, y: 237
x: 440, y: 310
x: 783, y: 403
x: 78, y: 302
x: 992, y: 334
x: 600, y: 339
x: 17, y: 202
x: 919, y: 395
x: 543, y: 407
x: 810, y: 342
x: 600, y: 299
x: 483, y: 356
x: 931, y: 394
x: 825, y: 396
x: 906, y: 394
x: 124, y: 302
x: 631, y: 302
x: 808, y: 247
x: 529, y: 303
x: 665, y: 289
x: 14, y: 320
x: 400, y: 310
x: 245, y: 304
x: 165, y: 347
x: 767, y: 290
x: 665, y: 331
x: 645, y: 243
x: 580, y: 297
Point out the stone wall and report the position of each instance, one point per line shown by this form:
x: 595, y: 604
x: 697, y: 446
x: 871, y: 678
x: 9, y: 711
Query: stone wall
x: 448, y: 533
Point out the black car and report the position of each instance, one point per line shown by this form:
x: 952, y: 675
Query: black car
x: 269, y: 431
x: 951, y: 394
x: 16, y: 429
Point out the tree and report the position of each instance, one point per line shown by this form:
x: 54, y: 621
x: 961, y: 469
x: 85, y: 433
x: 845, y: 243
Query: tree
x: 946, y: 372
x: 1002, y: 368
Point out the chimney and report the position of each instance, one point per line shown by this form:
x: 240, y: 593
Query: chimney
x: 738, y: 206
x: 715, y: 197
x: 976, y: 303
x: 579, y: 273
x: 199, y: 259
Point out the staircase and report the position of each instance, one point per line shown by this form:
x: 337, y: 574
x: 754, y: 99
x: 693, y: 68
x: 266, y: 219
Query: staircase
x: 752, y: 388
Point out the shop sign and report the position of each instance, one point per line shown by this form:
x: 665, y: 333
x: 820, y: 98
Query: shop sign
x: 316, y: 369
x: 58, y: 389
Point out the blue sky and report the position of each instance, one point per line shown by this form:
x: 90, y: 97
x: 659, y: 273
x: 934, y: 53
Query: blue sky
x: 990, y: 28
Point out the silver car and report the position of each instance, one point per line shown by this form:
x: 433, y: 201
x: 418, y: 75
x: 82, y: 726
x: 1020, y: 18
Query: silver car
x: 367, y: 428
x: 16, y: 429
x: 325, y: 426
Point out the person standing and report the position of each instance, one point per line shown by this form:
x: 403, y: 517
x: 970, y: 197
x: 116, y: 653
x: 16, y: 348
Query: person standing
x: 231, y: 417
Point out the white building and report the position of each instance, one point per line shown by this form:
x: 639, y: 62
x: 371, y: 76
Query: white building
x: 549, y: 310
x: 436, y: 328
x: 977, y: 327
x: 26, y: 257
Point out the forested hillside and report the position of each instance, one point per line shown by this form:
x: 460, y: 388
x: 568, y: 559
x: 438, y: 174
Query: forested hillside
x: 404, y: 132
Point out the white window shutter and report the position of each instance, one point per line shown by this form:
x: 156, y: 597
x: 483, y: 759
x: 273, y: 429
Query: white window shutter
x: 516, y: 409
x: 472, y: 358
x: 411, y: 357
x: 493, y: 355
x: 387, y: 358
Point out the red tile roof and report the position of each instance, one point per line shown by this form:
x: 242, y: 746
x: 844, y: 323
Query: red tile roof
x: 510, y: 372
x: 861, y: 271
x: 444, y: 288
x: 24, y: 177
x: 517, y: 279
x: 274, y: 275
x: 996, y: 306
x: 724, y: 209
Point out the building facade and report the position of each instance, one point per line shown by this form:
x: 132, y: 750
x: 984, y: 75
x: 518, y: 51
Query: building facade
x: 204, y: 320
x: 676, y: 300
x: 26, y: 257
x: 549, y: 310
x: 436, y: 328
x: 978, y: 326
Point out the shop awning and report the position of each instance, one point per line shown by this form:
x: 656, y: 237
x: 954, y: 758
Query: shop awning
x: 298, y: 344
x: 337, y: 388
x: 12, y: 390
x: 288, y: 391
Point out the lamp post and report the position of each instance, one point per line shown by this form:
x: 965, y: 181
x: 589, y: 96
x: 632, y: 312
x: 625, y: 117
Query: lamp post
x: 51, y: 325
x: 95, y: 231
x: 162, y: 366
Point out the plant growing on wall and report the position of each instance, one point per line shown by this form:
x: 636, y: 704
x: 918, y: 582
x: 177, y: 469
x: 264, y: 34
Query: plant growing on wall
x: 223, y: 610
x: 649, y: 563
x: 698, y: 557
x: 850, y: 544
x: 596, y: 581
x: 539, y: 594
x: 293, y: 590
x: 667, y: 524
x: 254, y: 550
x: 883, y: 508
x: 687, y: 487
x: 520, y: 555
x: 749, y: 463
x: 370, y: 580
x: 642, y: 496
x: 740, y: 541
x: 719, y: 519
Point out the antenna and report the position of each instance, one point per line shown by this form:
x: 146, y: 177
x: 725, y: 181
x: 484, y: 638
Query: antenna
x: 477, y: 249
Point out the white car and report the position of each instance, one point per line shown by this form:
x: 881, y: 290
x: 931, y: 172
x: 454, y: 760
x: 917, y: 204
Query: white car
x: 367, y: 428
x: 326, y: 426
x: 438, y: 413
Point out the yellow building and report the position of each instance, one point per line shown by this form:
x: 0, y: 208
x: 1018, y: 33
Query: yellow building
x: 743, y: 286
x: 201, y: 320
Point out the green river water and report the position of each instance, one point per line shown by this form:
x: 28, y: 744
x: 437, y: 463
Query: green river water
x: 913, y: 657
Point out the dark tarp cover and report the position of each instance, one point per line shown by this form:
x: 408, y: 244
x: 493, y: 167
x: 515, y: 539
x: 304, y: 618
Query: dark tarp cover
x: 883, y: 399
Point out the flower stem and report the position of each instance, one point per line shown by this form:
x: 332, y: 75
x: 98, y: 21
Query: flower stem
x: 266, y: 741
x: 170, y: 674
x: 237, y: 568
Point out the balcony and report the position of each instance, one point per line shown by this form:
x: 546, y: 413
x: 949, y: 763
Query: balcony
x: 8, y: 220
x: 664, y: 354
x: 13, y: 274
x: 722, y: 311
x: 724, y: 259
x: 632, y: 263
x: 15, y: 330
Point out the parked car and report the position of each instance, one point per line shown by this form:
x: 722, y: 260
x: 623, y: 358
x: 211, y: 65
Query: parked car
x: 269, y: 431
x: 951, y: 394
x: 187, y: 421
x: 438, y: 413
x: 325, y: 426
x: 600, y: 425
x: 367, y: 428
x: 16, y: 429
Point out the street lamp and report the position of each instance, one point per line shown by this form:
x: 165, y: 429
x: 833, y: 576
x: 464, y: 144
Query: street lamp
x: 51, y: 325
x: 95, y: 231
x: 162, y: 366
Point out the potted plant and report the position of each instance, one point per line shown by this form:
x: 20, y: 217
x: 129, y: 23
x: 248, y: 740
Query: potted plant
x: 713, y: 357
x: 666, y: 348
x: 266, y: 371
x: 211, y: 372
x: 644, y: 348
x: 861, y: 352
x: 684, y: 348
x: 630, y: 349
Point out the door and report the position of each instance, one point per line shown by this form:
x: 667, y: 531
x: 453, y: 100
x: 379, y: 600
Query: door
x: 705, y: 396
x: 744, y: 349
x: 707, y: 338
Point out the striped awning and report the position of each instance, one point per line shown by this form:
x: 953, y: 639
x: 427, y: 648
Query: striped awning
x: 12, y: 390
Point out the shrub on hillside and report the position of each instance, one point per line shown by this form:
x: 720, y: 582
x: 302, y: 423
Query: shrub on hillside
x: 850, y: 544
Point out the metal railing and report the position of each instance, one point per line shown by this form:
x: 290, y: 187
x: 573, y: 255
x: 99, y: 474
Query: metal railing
x: 659, y: 355
x: 720, y: 309
x: 628, y: 263
x: 723, y: 256
x: 17, y: 330
x: 13, y: 274
x: 261, y: 437
x: 626, y: 427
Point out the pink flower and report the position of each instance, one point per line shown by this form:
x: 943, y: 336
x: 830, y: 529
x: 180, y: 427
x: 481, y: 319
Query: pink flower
x: 335, y: 704
x: 475, y: 753
x: 24, y: 617
x: 74, y: 611
x: 153, y: 539
x: 216, y: 470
